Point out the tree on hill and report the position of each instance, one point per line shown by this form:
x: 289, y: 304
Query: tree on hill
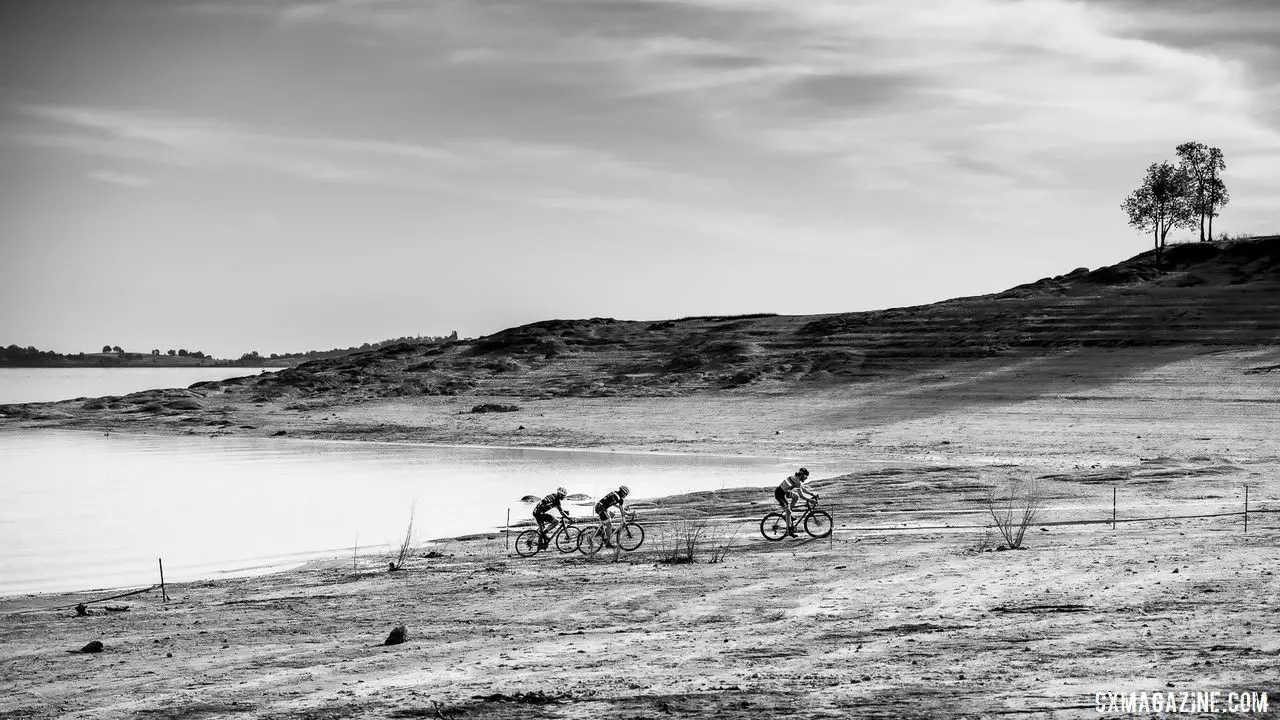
x: 1203, y: 166
x: 1162, y: 202
x: 115, y: 349
x: 106, y: 348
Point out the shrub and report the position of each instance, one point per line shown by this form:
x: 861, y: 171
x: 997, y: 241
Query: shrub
x: 685, y: 538
x: 1013, y: 508
x: 406, y: 545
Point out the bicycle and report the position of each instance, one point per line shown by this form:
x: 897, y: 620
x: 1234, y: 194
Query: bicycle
x: 628, y: 535
x: 565, y: 537
x: 817, y: 523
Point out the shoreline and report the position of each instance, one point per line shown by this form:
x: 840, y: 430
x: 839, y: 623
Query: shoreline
x: 918, y: 621
x: 923, y: 621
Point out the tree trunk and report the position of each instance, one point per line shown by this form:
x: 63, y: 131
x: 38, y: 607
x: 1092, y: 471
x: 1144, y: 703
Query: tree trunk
x: 1210, y: 224
x: 1201, y: 227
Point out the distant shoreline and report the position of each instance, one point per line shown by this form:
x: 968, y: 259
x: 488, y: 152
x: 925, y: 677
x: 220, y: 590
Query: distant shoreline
x: 112, y: 363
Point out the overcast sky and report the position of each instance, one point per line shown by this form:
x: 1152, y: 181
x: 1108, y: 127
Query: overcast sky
x: 279, y: 176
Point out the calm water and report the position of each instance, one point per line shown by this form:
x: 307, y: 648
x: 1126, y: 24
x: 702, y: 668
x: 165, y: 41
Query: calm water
x: 23, y: 385
x: 85, y: 510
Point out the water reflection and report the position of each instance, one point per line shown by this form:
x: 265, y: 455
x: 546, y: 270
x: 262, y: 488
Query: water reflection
x: 88, y: 510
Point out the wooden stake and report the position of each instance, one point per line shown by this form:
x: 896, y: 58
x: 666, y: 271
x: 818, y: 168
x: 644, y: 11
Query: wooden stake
x: 1246, y: 508
x: 163, y: 593
x: 508, y: 532
x: 1113, y: 508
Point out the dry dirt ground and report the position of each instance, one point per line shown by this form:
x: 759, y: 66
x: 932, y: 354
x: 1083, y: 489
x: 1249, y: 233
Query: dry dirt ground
x: 906, y: 611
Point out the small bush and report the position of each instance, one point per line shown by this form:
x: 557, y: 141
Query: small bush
x: 1013, y: 508
x: 685, y: 539
x: 406, y: 545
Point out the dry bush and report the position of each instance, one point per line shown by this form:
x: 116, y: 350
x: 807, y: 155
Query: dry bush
x: 1013, y: 507
x: 406, y: 545
x: 685, y: 538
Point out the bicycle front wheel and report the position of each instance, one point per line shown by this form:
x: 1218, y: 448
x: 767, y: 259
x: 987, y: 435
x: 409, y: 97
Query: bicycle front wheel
x: 591, y: 541
x: 774, y: 526
x: 818, y: 524
x: 567, y: 540
x: 527, y: 543
x: 631, y: 536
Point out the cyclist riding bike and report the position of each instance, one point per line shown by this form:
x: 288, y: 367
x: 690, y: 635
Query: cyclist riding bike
x: 791, y: 490
x: 542, y: 513
x: 602, y: 510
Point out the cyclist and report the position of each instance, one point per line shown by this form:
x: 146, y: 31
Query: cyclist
x: 542, y: 513
x: 602, y: 510
x: 789, y: 491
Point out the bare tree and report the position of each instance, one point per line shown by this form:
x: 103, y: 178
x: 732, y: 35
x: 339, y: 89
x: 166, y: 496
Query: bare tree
x: 1013, y: 508
x: 1161, y: 203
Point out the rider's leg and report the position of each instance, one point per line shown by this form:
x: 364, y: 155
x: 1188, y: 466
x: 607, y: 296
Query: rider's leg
x: 606, y: 524
x: 543, y: 519
x: 791, y: 503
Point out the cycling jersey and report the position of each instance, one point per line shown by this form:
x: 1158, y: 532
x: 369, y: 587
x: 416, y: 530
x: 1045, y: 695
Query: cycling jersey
x: 609, y: 501
x: 548, y: 502
x: 791, y: 484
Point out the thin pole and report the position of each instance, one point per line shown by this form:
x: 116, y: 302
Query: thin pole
x: 1246, y: 508
x: 508, y: 532
x: 163, y: 593
x: 1113, y: 507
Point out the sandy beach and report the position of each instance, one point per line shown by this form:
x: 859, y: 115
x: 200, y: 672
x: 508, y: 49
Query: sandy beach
x: 908, y: 609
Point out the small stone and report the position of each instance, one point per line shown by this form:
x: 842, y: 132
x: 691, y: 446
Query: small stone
x: 398, y: 635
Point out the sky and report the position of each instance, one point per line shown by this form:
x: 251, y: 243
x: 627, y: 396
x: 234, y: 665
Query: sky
x: 288, y: 175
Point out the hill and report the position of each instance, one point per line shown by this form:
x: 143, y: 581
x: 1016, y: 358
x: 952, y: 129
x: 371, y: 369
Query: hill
x: 1083, y: 329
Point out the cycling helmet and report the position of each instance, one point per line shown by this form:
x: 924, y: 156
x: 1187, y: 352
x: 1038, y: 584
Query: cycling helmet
x: 562, y: 492
x: 803, y: 472
x: 624, y: 490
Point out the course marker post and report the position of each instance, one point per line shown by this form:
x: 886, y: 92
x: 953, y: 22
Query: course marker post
x: 163, y: 593
x: 1113, y: 507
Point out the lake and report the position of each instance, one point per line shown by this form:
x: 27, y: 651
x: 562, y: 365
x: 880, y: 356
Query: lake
x: 83, y: 510
x: 24, y: 385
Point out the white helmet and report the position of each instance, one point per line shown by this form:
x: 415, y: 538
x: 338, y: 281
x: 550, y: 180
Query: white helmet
x: 562, y: 492
x: 624, y: 490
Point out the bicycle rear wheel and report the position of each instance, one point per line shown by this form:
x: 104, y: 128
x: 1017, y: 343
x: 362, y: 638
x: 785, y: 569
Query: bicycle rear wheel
x: 568, y: 538
x: 527, y: 543
x: 774, y: 526
x: 818, y: 523
x: 631, y: 536
x: 591, y: 541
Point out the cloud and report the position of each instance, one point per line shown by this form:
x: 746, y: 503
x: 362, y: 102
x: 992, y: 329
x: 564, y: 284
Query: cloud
x: 118, y: 178
x: 493, y: 167
x: 964, y: 104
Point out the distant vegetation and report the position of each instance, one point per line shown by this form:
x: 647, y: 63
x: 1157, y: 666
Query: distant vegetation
x: 115, y: 356
x: 339, y: 352
x: 111, y: 356
x: 1184, y: 195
